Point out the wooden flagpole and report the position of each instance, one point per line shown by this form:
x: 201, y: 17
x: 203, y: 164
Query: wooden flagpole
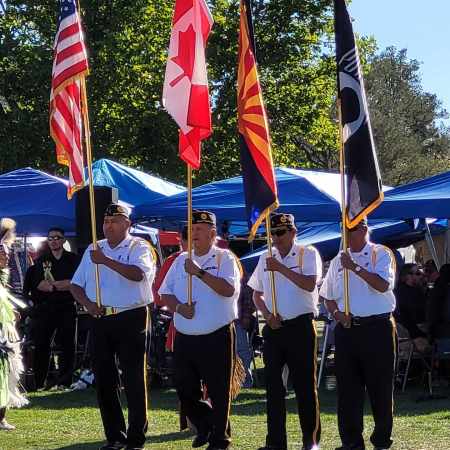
x: 87, y: 130
x: 343, y: 206
x: 189, y: 194
x: 271, y: 273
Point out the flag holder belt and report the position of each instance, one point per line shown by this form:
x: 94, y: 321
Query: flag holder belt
x: 113, y: 310
x: 358, y: 321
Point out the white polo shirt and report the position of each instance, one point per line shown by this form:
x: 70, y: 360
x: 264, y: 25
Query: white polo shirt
x: 212, y: 311
x: 292, y: 301
x: 364, y: 300
x: 115, y: 289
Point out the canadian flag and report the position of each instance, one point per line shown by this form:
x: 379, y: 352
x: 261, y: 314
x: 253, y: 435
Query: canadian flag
x: 185, y: 94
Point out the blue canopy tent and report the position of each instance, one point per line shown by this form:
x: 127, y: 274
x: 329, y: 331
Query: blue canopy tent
x: 36, y: 201
x: 134, y: 186
x: 429, y: 197
x: 309, y: 195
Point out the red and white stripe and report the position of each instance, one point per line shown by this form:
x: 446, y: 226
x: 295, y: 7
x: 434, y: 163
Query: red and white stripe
x: 70, y: 65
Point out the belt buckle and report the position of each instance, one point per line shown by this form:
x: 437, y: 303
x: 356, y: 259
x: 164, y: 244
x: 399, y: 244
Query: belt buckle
x: 110, y: 311
x: 356, y: 322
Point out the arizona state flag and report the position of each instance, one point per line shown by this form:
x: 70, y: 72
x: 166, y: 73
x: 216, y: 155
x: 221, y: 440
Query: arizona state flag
x: 363, y: 182
x: 256, y: 155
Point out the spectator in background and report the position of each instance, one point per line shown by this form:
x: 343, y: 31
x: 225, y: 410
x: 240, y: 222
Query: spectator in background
x: 411, y: 304
x: 431, y: 272
x: 162, y: 272
x: 245, y: 324
x: 439, y: 306
x: 48, y: 284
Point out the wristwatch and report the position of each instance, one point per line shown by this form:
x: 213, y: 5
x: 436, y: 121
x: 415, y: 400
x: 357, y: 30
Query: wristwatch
x: 358, y: 269
x: 201, y: 273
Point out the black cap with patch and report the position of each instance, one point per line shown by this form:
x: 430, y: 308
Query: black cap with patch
x: 114, y: 209
x: 203, y: 217
x: 280, y: 220
x: 362, y: 222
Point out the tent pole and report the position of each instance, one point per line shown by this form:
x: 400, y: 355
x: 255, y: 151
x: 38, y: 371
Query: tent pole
x: 25, y: 251
x: 431, y: 246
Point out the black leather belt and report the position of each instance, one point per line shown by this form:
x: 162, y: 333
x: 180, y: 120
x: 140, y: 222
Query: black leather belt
x: 301, y: 317
x: 358, y: 321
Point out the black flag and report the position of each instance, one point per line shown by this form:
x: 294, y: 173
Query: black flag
x: 363, y: 182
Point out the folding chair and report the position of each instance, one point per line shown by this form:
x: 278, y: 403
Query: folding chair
x: 325, y: 349
x: 406, y: 354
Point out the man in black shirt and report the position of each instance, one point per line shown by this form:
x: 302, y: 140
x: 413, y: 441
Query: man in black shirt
x: 54, y: 309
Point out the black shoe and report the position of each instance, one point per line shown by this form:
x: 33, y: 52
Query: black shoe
x: 201, y: 439
x: 350, y: 448
x: 133, y: 448
x: 211, y: 447
x: 113, y: 446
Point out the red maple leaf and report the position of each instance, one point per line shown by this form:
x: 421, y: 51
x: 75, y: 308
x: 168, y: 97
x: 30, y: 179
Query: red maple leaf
x: 186, y: 54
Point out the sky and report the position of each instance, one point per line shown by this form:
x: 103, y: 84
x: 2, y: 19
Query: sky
x: 422, y: 27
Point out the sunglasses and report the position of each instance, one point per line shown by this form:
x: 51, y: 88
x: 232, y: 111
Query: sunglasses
x: 417, y: 274
x: 54, y: 238
x: 278, y: 233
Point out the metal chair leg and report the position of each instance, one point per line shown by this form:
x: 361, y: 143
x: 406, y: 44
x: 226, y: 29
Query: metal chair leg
x: 408, y: 364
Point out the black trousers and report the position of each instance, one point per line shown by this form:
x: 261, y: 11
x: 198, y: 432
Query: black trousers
x: 208, y: 358
x: 45, y: 323
x: 122, y: 338
x: 365, y: 359
x: 293, y: 344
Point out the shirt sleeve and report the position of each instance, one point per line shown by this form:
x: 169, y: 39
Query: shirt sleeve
x: 142, y: 257
x: 229, y: 271
x: 256, y: 280
x: 385, y: 265
x: 327, y: 290
x: 312, y: 263
x: 168, y: 285
x: 79, y: 277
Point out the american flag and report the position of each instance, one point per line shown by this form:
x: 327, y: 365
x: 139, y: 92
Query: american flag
x: 70, y: 66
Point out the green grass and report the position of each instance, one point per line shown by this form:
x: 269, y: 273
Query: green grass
x: 70, y: 421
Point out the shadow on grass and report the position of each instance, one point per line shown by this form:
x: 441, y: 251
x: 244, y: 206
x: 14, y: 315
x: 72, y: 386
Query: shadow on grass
x: 169, y: 437
x: 250, y: 402
x: 82, y: 446
x: 63, y: 400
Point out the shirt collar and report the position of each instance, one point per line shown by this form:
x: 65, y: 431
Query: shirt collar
x: 124, y: 243
x: 365, y: 250
x: 292, y: 252
x: 211, y: 252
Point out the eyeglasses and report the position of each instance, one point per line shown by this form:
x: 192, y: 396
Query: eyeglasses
x: 278, y: 233
x: 54, y: 238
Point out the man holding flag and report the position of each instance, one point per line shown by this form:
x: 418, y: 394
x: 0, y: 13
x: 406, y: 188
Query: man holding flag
x: 202, y: 286
x: 204, y: 347
x: 358, y: 288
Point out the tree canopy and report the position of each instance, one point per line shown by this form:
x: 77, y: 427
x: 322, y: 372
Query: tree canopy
x: 128, y: 44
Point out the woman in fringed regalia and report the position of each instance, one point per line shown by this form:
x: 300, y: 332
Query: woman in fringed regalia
x: 10, y: 358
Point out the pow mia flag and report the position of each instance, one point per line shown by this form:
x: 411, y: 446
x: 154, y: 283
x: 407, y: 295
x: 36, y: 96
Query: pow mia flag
x: 363, y: 182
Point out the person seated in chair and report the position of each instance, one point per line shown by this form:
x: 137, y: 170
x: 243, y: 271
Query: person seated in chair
x: 411, y: 304
x: 439, y: 306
